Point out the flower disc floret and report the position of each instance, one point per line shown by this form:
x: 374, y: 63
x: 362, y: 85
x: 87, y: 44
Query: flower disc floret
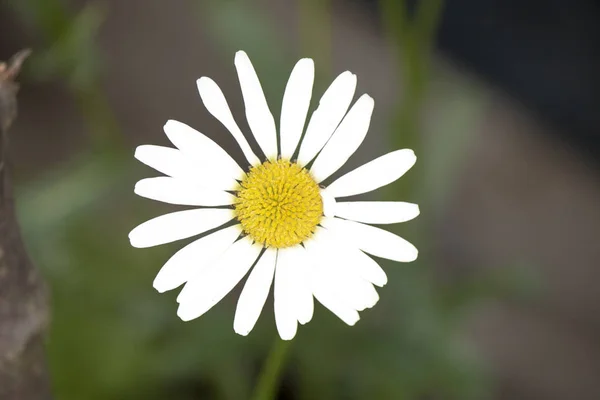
x: 279, y: 204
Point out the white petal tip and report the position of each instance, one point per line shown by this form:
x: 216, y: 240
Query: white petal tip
x: 241, y: 57
x: 140, y: 240
x: 417, y: 210
x: 241, y: 332
x: 306, y: 62
x: 179, y: 298
x: 139, y: 151
x: 181, y: 317
x: 242, y: 327
x: 136, y: 188
x: 381, y: 283
x: 170, y: 124
x: 184, y: 315
x: 373, y: 302
x: 135, y: 242
x: 379, y: 280
x: 408, y: 158
x: 160, y: 286
x: 305, y: 320
x: 287, y: 332
x: 412, y: 256
x: 205, y: 80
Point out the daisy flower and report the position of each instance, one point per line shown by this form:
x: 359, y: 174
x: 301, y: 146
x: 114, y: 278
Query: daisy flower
x: 275, y: 220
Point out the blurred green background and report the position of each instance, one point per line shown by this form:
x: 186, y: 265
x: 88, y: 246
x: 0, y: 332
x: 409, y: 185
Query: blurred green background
x: 106, y: 75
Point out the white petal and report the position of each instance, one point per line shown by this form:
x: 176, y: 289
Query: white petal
x: 174, y: 163
x: 374, y: 174
x: 336, y: 271
x: 201, y: 294
x: 203, y: 149
x: 255, y: 293
x: 178, y: 225
x: 377, y: 212
x: 366, y: 267
x: 177, y: 191
x: 216, y: 104
x: 294, y: 108
x: 329, y: 203
x: 305, y: 305
x: 372, y: 240
x: 284, y: 296
x: 298, y: 261
x: 345, y: 140
x: 166, y: 160
x: 327, y: 297
x: 352, y: 290
x: 332, y: 107
x: 259, y: 116
x: 353, y: 258
x: 194, y: 258
x: 345, y: 313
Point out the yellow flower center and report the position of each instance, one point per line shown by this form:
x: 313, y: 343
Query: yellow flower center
x: 279, y: 204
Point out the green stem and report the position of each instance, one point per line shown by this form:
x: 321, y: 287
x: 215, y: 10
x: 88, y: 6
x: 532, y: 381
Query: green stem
x: 271, y: 372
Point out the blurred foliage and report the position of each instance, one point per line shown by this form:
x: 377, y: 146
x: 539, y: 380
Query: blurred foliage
x: 68, y: 51
x: 113, y: 337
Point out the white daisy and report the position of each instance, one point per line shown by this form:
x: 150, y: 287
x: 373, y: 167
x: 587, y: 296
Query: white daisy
x: 275, y: 220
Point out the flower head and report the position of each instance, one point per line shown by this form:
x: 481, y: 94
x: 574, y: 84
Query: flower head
x: 275, y: 220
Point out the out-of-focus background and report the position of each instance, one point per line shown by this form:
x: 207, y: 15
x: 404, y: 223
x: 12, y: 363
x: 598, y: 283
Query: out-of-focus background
x: 501, y: 102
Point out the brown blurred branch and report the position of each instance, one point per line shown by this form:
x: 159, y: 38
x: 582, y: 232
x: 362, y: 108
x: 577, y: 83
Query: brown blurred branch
x: 23, y: 295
